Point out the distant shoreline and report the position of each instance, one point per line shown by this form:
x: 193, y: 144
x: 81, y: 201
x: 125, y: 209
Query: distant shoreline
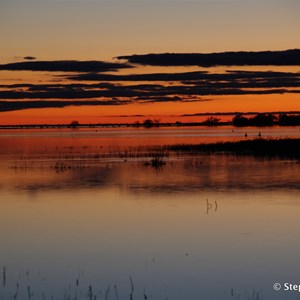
x: 106, y: 125
x: 246, y: 119
x: 132, y: 125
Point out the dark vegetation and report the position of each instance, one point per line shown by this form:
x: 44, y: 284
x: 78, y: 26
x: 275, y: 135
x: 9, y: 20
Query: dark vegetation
x: 157, y: 156
x: 289, y: 147
x: 74, y: 124
x: 266, y: 119
x: 158, y: 159
x: 151, y: 123
x: 212, y: 121
x: 79, y: 290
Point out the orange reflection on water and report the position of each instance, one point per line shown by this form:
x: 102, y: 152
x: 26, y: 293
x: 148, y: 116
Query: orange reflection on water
x: 112, y: 218
x: 59, y: 142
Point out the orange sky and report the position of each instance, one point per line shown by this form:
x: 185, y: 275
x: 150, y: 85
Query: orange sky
x: 92, y: 30
x: 104, y: 29
x: 163, y: 111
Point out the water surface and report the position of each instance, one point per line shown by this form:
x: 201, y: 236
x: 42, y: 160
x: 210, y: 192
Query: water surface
x: 199, y: 227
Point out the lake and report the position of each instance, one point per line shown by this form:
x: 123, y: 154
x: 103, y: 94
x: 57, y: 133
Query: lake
x: 80, y: 221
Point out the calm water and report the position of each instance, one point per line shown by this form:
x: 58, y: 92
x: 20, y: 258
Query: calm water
x: 206, y: 227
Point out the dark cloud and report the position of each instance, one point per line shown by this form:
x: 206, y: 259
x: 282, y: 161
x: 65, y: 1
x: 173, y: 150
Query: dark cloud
x: 18, y: 105
x: 185, y: 76
x: 168, y: 87
x: 145, y: 99
x: 155, y: 99
x: 65, y: 66
x: 262, y: 58
x: 29, y: 57
x: 140, y: 77
x: 123, y: 91
x: 255, y: 83
x: 70, y: 93
x: 236, y: 112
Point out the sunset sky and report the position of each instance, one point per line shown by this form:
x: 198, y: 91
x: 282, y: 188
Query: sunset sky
x: 59, y: 59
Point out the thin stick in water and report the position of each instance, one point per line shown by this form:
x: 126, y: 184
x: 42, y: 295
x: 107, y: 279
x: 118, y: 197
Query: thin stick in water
x: 90, y: 294
x: 4, y: 275
x: 29, y: 292
x: 107, y: 293
x: 132, y: 288
x: 116, y: 291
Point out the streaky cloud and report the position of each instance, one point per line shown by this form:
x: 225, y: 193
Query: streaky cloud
x: 146, y: 88
x: 155, y: 99
x: 29, y: 57
x: 196, y: 75
x: 240, y: 58
x: 139, y: 77
x: 64, y: 66
x: 6, y: 106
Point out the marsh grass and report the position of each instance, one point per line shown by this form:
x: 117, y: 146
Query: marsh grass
x: 157, y: 159
x: 155, y: 156
x: 28, y: 290
x: 257, y: 147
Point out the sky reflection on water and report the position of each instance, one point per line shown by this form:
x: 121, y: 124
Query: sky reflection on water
x: 206, y: 227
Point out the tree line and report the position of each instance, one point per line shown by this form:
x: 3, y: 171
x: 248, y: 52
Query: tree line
x: 239, y: 120
x: 266, y: 119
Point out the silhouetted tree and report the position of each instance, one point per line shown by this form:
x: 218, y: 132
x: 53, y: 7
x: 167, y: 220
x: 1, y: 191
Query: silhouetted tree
x: 74, y: 124
x: 288, y: 120
x: 211, y: 121
x: 156, y: 122
x: 263, y: 120
x: 151, y: 123
x: 239, y: 121
x: 148, y: 123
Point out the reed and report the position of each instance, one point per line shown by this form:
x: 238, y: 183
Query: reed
x: 89, y: 292
x: 4, y: 276
x: 265, y: 147
x: 157, y: 156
